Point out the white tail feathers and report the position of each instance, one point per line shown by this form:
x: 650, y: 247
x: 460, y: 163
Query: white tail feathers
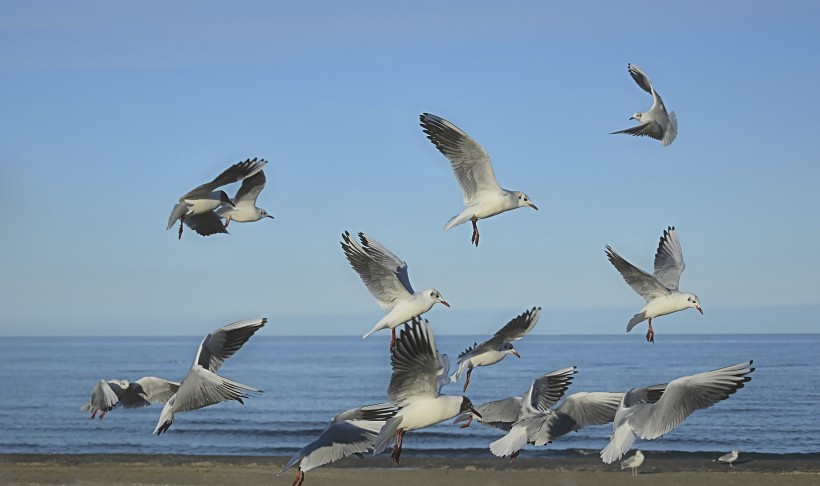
x: 386, y: 434
x: 636, y: 319
x: 511, y: 443
x: 458, y: 219
x: 622, y: 439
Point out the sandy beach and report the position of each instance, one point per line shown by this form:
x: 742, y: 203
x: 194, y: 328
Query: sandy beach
x: 680, y: 469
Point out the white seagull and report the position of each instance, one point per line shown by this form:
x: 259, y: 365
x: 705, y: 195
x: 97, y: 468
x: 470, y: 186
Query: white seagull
x: 497, y: 347
x: 197, y: 207
x: 244, y: 208
x: 655, y: 123
x: 351, y: 432
x: 146, y: 391
x: 633, y: 462
x: 728, y: 458
x: 483, y: 197
x: 661, y: 289
x: 202, y: 386
x: 419, y: 372
x: 385, y: 276
x: 650, y: 412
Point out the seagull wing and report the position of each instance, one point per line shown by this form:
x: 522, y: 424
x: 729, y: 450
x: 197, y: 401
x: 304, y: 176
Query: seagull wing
x: 232, y: 174
x: 206, y: 224
x: 202, y: 388
x: 669, y: 259
x: 500, y: 414
x: 384, y: 275
x: 583, y: 409
x: 469, y: 161
x: 148, y: 391
x: 222, y: 343
x: 103, y: 397
x: 640, y: 77
x: 546, y: 390
x: 641, y: 282
x: 249, y: 190
x: 416, y: 364
x: 515, y: 329
x: 650, y: 129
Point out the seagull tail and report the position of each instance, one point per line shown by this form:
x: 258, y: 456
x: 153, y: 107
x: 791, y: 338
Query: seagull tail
x: 386, y: 434
x: 636, y: 319
x: 458, y: 219
x: 511, y: 443
x: 671, y: 130
x: 378, y: 327
x: 622, y: 439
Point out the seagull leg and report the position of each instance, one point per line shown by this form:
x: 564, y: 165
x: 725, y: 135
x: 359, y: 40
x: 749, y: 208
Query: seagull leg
x: 227, y: 221
x: 300, y: 478
x: 650, y: 333
x: 474, y: 239
x: 467, y: 382
x: 180, y: 228
x: 93, y: 413
x: 396, y: 454
x: 469, y: 421
x: 102, y: 415
x: 393, y: 341
x: 514, y: 455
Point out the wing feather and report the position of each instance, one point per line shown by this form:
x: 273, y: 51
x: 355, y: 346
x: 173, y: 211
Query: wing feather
x: 669, y: 259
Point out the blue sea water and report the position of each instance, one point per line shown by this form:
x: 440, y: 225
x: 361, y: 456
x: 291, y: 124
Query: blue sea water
x: 306, y: 380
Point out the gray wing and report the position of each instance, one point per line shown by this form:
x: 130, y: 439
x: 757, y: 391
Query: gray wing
x: 581, y: 410
x: 469, y: 161
x: 515, y: 329
x: 546, y: 390
x: 640, y: 77
x: 234, y: 173
x: 206, y: 224
x: 222, y: 343
x: 669, y: 259
x: 202, y: 388
x: 250, y: 189
x: 686, y: 395
x: 384, y: 275
x: 103, y: 397
x: 500, y: 414
x: 416, y: 365
x: 148, y: 391
x: 641, y: 282
x: 650, y: 129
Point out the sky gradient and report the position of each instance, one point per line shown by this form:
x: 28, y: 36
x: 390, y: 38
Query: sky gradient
x: 111, y: 111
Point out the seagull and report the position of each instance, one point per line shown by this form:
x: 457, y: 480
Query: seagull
x: 196, y: 208
x: 633, y: 462
x: 661, y: 289
x: 655, y: 123
x: 146, y: 391
x: 244, y: 208
x: 483, y: 197
x: 497, y: 347
x: 350, y: 432
x: 419, y: 372
x: 653, y: 411
x: 202, y: 386
x: 730, y: 458
x: 385, y: 276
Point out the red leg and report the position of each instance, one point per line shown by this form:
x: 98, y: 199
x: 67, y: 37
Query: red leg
x: 514, y: 455
x: 300, y: 478
x: 474, y: 239
x: 467, y: 382
x: 102, y: 415
x: 469, y: 421
x: 393, y: 340
x: 650, y: 333
x: 396, y: 454
x: 227, y: 221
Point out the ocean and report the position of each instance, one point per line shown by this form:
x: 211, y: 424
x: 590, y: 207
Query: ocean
x: 307, y: 380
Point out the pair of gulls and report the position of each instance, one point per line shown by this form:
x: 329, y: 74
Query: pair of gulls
x: 200, y: 388
x: 204, y: 207
x: 419, y: 372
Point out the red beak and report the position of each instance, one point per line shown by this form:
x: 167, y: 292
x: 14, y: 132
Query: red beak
x: 534, y: 206
x: 516, y: 353
x: 445, y: 303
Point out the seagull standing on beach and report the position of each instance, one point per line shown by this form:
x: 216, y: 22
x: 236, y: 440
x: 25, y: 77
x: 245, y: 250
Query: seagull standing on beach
x: 633, y: 462
x: 483, y: 197
x: 197, y: 207
x: 351, y: 432
x: 661, y: 289
x: 385, y: 276
x: 650, y: 412
x: 497, y: 347
x: 202, y: 386
x: 730, y: 458
x: 146, y: 391
x: 419, y: 372
x: 244, y: 208
x: 655, y: 123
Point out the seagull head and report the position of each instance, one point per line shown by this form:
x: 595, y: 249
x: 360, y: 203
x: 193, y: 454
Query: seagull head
x: 224, y: 199
x: 467, y: 406
x: 436, y: 296
x: 166, y: 418
x: 510, y: 349
x: 264, y: 214
x: 692, y: 301
x: 637, y: 116
x: 524, y: 200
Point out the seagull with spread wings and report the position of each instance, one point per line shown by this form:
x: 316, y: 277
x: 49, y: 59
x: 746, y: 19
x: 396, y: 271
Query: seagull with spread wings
x: 244, y: 208
x: 655, y: 123
x: 146, y: 391
x: 483, y: 197
x: 660, y: 290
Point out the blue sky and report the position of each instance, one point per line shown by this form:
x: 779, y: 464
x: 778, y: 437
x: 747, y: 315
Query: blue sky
x: 111, y: 111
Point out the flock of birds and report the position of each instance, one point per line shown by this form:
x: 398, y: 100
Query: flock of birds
x: 419, y: 371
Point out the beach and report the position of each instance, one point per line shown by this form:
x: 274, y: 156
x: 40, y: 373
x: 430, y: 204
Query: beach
x: 685, y: 469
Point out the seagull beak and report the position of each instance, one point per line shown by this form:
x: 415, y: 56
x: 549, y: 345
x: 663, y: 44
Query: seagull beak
x: 472, y: 410
x: 516, y: 353
x: 444, y: 302
x: 232, y: 204
x: 632, y: 118
x: 699, y: 309
x: 534, y: 206
x: 269, y: 216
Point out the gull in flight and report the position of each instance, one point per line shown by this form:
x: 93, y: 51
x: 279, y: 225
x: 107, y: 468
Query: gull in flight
x: 202, y: 386
x: 483, y: 197
x: 655, y: 123
x: 385, y: 276
x: 633, y: 462
x: 728, y: 458
x: 244, y: 208
x: 419, y: 372
x: 350, y: 432
x: 497, y: 347
x: 144, y: 392
x: 660, y: 290
x: 197, y: 207
x: 650, y: 412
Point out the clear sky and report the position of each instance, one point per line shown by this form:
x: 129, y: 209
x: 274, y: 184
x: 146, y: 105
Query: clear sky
x: 109, y: 111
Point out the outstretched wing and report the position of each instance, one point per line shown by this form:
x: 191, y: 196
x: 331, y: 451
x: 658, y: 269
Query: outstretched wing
x: 416, y: 364
x: 516, y: 328
x: 581, y: 410
x: 206, y: 224
x: 546, y: 390
x: 384, y: 275
x: 669, y: 259
x: 650, y: 129
x: 249, y: 190
x: 222, y: 343
x: 202, y: 388
x: 641, y: 282
x: 640, y: 77
x: 148, y: 391
x: 232, y: 174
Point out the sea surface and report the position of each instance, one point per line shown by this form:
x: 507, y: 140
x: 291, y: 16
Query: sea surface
x: 307, y: 380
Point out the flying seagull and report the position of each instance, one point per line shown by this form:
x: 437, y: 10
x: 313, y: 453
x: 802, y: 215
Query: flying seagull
x: 497, y: 347
x: 202, y: 386
x: 244, y: 208
x: 483, y: 197
x: 197, y: 207
x: 146, y: 391
x: 350, y: 432
x: 650, y: 412
x: 419, y: 372
x: 660, y: 290
x: 655, y: 123
x: 385, y: 276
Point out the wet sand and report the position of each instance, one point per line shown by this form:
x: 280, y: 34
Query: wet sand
x: 669, y: 469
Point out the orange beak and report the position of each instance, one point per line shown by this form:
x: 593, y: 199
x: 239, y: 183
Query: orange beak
x: 516, y: 353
